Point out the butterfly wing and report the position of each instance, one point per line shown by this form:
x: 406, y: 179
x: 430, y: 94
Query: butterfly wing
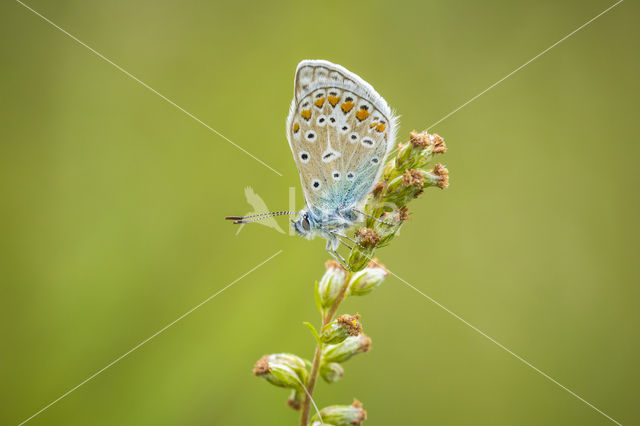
x: 340, y: 131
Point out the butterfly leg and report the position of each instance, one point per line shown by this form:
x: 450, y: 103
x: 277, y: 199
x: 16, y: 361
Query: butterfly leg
x: 372, y: 217
x: 336, y: 255
x: 337, y: 234
x: 346, y: 245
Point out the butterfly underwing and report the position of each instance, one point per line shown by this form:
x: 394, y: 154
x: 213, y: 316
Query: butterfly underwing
x: 340, y: 131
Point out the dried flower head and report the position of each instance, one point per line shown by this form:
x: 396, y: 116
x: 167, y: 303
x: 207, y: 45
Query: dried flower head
x: 367, y: 237
x: 261, y: 366
x: 341, y: 328
x: 351, y: 323
x: 439, y: 147
x: 378, y: 189
x: 418, y: 139
x: 296, y: 399
x: 413, y: 177
x: 403, y: 213
x: 441, y: 171
x: 283, y: 370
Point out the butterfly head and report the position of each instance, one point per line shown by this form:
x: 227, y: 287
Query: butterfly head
x: 305, y: 225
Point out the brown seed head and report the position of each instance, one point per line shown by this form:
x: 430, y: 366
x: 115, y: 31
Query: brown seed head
x: 413, y: 178
x: 442, y: 172
x: 439, y: 146
x: 378, y: 189
x: 351, y: 323
x: 367, y: 237
x: 418, y: 140
x: 294, y: 403
x: 403, y: 213
x: 262, y: 366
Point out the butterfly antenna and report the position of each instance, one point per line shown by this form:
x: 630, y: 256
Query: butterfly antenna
x: 256, y: 217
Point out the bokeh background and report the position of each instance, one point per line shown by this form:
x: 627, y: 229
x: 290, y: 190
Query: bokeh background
x: 112, y: 204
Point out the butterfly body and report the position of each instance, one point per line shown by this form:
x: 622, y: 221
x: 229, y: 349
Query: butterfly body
x: 326, y: 223
x: 340, y: 131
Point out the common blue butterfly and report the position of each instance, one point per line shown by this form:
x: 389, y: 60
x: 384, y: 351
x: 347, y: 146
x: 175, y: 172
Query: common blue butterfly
x: 340, y: 131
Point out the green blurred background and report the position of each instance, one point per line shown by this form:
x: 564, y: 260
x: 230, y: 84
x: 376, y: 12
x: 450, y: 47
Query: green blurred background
x: 112, y: 205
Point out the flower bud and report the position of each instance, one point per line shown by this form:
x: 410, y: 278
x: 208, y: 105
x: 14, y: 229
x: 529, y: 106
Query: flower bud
x: 358, y: 258
x: 341, y: 328
x: 392, y: 223
x: 403, y: 157
x: 365, y: 281
x: 329, y: 287
x: 331, y: 371
x: 406, y: 187
x: 283, y: 370
x: 342, y: 415
x: 349, y: 347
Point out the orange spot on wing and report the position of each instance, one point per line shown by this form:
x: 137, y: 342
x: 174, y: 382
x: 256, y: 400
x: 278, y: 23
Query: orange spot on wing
x: 381, y: 127
x: 296, y: 127
x: 333, y: 100
x: 362, y: 114
x: 374, y: 124
x: 306, y: 114
x: 347, y: 106
x: 320, y: 102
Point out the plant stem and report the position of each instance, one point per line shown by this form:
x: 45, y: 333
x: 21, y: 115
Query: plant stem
x: 326, y: 319
x: 304, y: 418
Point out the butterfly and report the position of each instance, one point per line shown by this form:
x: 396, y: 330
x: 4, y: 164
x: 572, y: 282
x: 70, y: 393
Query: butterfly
x: 340, y: 131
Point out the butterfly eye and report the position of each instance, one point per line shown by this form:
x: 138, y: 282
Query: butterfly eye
x: 353, y: 137
x: 305, y: 223
x: 321, y: 121
x: 336, y: 175
x: 315, y: 184
x: 345, y: 128
x: 304, y: 157
x: 310, y: 136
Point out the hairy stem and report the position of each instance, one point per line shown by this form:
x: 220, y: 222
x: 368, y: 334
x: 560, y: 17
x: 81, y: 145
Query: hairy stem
x: 326, y: 318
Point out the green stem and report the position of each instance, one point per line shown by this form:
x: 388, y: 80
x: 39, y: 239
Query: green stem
x: 315, y: 368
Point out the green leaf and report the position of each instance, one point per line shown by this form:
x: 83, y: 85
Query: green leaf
x: 313, y: 331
